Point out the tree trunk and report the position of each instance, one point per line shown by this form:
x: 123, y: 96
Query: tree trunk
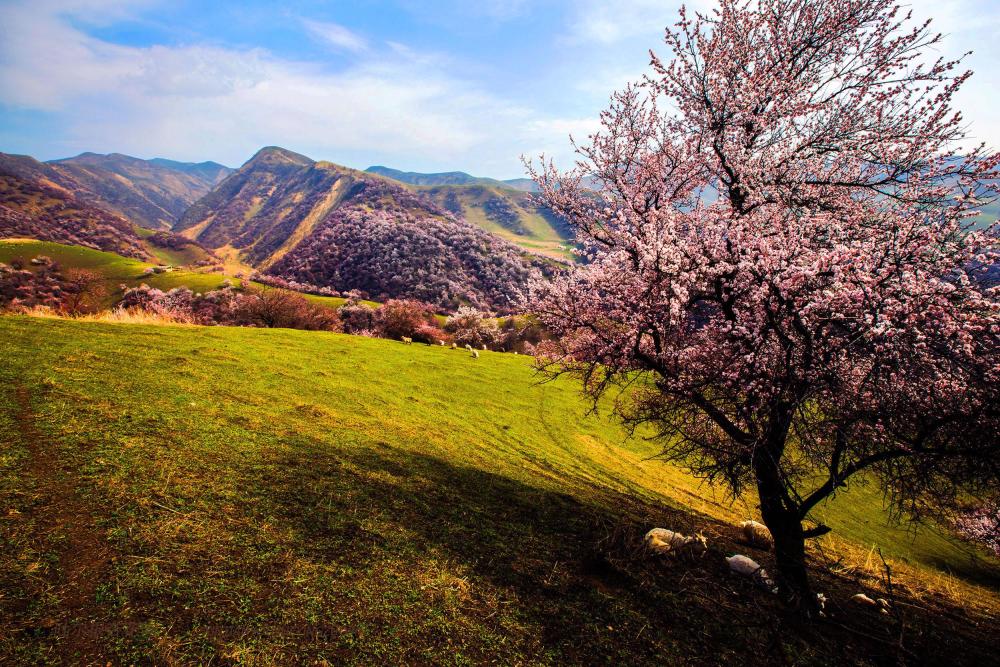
x: 790, y: 558
x: 782, y: 518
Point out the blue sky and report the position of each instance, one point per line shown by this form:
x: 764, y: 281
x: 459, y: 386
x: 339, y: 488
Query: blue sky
x: 426, y: 86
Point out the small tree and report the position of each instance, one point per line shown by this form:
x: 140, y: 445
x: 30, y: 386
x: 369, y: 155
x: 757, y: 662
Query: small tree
x: 817, y: 317
x: 83, y: 291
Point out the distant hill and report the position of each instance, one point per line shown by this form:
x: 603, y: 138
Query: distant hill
x: 332, y: 226
x: 34, y: 205
x: 151, y: 193
x: 512, y: 214
x: 450, y: 178
x: 505, y: 208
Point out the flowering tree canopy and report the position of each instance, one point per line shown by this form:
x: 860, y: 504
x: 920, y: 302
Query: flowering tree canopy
x: 784, y: 255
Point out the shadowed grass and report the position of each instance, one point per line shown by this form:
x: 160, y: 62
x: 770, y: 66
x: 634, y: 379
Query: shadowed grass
x: 274, y: 496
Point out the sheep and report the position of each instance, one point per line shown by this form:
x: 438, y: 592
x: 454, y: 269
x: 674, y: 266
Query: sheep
x: 468, y: 347
x: 475, y: 354
x: 407, y: 340
x: 484, y: 348
x: 881, y: 603
x: 442, y: 343
x: 671, y: 543
x: 748, y: 567
x: 756, y: 534
x: 454, y: 346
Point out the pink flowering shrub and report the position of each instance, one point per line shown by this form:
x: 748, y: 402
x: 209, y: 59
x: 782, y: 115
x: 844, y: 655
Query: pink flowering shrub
x: 982, y: 525
x: 469, y: 326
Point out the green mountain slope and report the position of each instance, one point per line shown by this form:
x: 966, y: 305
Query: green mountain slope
x: 195, y: 495
x: 508, y: 213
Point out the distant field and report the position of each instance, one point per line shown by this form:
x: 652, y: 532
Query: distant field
x: 223, y: 495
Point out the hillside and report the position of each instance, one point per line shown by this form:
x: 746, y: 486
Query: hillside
x: 330, y: 226
x: 510, y: 214
x: 148, y: 193
x: 38, y: 209
x: 151, y: 193
x: 266, y: 496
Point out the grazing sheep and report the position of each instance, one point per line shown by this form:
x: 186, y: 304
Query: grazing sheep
x: 454, y: 346
x: 756, y: 534
x: 407, y: 340
x: 861, y: 598
x: 670, y: 543
x: 442, y: 343
x: 748, y: 567
x: 468, y: 347
x: 484, y: 348
x: 475, y: 354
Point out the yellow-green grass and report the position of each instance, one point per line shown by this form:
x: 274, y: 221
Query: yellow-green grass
x: 117, y: 270
x: 276, y: 496
x: 189, y: 254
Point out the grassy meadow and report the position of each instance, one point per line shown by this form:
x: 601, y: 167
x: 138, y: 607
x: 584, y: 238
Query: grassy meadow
x: 182, y: 494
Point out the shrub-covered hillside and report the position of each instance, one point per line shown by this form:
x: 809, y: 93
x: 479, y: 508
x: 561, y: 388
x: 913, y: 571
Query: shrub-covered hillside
x: 37, y: 210
x: 177, y: 495
x: 330, y: 226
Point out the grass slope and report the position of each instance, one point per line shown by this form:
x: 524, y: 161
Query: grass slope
x: 224, y: 495
x: 117, y: 270
x: 534, y: 231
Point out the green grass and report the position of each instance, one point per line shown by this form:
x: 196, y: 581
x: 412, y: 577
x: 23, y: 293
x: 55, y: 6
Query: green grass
x: 275, y: 496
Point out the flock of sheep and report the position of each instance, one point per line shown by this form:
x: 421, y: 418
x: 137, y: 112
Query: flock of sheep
x: 473, y: 352
x: 664, y: 542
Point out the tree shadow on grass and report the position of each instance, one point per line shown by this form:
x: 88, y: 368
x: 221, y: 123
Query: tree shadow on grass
x: 583, y: 589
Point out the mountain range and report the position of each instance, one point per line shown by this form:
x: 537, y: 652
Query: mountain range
x: 477, y: 241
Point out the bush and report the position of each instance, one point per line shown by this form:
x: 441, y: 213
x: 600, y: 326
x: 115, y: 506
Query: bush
x: 404, y: 317
x: 469, y: 326
x: 357, y: 317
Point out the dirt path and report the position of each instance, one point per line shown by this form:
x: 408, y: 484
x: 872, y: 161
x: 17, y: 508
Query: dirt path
x: 65, y: 520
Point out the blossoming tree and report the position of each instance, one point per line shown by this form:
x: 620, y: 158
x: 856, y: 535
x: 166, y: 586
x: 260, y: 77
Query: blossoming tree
x: 784, y: 263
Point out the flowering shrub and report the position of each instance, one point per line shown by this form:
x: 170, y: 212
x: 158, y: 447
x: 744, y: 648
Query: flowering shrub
x: 228, y: 306
x: 397, y: 318
x: 469, y: 326
x: 357, y: 317
x: 982, y: 525
x: 20, y: 288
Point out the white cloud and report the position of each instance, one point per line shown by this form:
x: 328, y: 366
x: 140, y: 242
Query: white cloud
x: 336, y: 35
x: 201, y: 102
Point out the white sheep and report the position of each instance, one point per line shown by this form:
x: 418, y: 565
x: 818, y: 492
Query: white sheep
x: 454, y: 346
x: 671, y: 543
x: 756, y: 534
x: 881, y: 603
x: 475, y: 354
x: 442, y: 343
x: 407, y: 340
x: 484, y: 348
x: 748, y: 567
x: 468, y: 347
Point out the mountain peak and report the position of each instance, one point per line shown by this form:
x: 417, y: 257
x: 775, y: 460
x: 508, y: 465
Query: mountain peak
x: 278, y: 155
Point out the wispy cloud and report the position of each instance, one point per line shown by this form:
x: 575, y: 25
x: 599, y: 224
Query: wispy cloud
x: 336, y: 35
